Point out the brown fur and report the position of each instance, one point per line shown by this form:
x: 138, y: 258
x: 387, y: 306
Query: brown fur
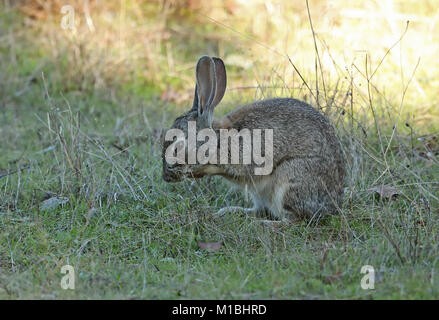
x: 308, y: 165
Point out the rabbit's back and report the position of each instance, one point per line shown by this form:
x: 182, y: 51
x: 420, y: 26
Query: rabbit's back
x: 299, y: 130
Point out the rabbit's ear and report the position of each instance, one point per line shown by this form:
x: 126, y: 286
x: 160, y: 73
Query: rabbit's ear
x: 221, y: 81
x: 205, y: 90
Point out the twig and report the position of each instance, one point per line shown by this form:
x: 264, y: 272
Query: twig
x: 318, y: 56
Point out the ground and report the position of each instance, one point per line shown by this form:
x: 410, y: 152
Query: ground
x: 81, y: 185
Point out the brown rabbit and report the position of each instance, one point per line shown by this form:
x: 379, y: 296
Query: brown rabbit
x: 307, y: 179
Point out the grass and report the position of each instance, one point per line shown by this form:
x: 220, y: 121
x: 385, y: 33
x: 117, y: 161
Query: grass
x: 81, y: 116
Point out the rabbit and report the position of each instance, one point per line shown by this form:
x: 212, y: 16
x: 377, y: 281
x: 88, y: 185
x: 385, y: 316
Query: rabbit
x: 307, y: 178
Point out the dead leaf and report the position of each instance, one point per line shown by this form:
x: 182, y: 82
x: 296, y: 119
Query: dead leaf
x: 333, y: 278
x: 386, y: 191
x: 210, y: 246
x: 53, y: 202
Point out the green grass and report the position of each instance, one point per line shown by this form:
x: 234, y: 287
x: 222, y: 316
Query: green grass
x: 94, y: 139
